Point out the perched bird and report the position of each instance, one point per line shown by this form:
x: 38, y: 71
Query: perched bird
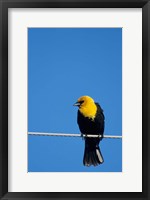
x: 91, y: 121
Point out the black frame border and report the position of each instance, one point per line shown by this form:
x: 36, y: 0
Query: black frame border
x: 4, y: 6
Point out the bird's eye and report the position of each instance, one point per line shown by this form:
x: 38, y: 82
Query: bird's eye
x: 81, y: 102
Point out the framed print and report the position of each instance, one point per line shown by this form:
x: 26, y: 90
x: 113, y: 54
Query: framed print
x: 95, y: 56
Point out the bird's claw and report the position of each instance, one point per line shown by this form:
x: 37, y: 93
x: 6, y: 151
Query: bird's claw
x: 83, y: 135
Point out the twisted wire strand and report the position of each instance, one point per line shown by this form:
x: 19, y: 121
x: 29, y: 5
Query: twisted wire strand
x: 73, y: 135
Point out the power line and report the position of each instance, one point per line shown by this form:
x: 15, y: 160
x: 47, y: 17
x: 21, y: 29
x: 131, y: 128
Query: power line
x: 73, y: 135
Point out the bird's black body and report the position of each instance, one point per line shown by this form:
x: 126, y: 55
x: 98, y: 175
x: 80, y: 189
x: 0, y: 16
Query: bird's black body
x: 90, y: 126
x: 95, y: 126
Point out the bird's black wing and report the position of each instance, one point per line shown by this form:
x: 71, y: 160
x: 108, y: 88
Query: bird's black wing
x: 100, y: 118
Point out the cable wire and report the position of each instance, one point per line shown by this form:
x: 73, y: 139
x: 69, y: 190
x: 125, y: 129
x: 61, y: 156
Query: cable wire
x: 73, y: 135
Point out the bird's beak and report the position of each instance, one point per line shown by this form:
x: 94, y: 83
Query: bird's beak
x: 76, y: 104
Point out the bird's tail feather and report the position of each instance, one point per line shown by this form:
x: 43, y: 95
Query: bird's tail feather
x: 92, y: 156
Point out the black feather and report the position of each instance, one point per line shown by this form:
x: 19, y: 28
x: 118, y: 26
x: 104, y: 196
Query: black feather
x: 92, y: 153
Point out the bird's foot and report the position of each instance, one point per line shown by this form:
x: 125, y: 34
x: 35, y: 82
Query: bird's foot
x: 83, y: 136
x: 101, y: 137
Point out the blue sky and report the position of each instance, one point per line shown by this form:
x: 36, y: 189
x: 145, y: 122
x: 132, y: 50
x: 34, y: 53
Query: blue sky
x: 64, y: 64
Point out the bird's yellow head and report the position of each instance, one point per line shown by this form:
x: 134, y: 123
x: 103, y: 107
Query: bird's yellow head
x: 87, y: 106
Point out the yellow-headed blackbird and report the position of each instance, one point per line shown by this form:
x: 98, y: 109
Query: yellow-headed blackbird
x: 91, y: 121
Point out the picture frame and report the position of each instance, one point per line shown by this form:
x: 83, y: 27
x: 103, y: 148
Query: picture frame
x: 4, y: 6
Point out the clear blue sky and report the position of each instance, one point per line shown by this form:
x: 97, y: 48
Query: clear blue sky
x: 64, y: 64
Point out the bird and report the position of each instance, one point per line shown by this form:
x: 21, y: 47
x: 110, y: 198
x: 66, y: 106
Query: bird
x: 91, y: 120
